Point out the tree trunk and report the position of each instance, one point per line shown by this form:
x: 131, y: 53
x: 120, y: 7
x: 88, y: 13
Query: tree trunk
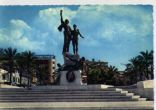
x: 20, y: 77
x: 147, y: 74
x: 152, y: 74
x: 10, y: 77
x: 10, y: 74
x: 28, y: 78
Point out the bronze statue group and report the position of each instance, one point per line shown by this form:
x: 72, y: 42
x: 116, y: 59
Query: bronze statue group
x: 71, y: 62
x: 69, y: 35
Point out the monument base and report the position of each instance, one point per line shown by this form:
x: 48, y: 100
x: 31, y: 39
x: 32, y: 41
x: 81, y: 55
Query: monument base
x: 70, y: 78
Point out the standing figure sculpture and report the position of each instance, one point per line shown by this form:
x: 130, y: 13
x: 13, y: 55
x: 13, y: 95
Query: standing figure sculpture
x: 75, y: 34
x: 67, y: 33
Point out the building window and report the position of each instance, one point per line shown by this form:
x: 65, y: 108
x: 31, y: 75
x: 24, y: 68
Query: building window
x: 3, y: 76
x: 14, y: 79
x: 18, y: 80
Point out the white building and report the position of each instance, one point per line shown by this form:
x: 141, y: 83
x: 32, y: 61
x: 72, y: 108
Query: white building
x: 15, y: 78
x: 5, y: 77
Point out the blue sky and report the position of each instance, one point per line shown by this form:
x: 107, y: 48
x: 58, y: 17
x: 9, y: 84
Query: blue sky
x: 113, y: 33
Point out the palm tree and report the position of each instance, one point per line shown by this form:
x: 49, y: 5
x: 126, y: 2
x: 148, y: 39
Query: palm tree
x: 147, y: 62
x: 29, y: 59
x: 151, y: 64
x: 10, y: 55
x: 113, y: 69
x: 130, y: 73
x: 20, y: 65
x: 1, y: 55
x: 134, y: 69
x: 1, y: 51
x: 140, y: 67
x: 112, y: 72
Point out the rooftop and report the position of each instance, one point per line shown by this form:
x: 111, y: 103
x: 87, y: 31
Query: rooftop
x: 45, y: 57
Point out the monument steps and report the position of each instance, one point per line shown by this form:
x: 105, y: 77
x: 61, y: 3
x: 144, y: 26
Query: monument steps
x: 143, y: 105
x: 55, y: 89
x: 62, y: 94
x: 68, y: 98
x: 58, y: 95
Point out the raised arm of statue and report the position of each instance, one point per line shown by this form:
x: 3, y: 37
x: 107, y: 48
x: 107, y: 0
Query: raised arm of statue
x: 80, y: 34
x: 61, y: 16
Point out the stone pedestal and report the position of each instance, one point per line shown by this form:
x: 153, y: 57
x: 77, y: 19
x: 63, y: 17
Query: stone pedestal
x: 70, y: 73
x: 70, y: 60
x: 76, y: 81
